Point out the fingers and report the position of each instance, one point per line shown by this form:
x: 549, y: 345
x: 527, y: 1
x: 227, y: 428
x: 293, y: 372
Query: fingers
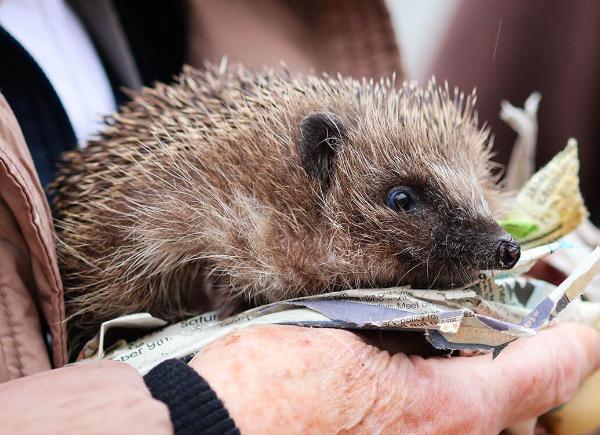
x: 533, y: 375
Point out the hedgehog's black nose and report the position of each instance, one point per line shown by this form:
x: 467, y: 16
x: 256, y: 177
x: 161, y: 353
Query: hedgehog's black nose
x: 508, y: 253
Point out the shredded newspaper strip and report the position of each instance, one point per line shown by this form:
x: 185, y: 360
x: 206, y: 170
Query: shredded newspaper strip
x: 488, y: 314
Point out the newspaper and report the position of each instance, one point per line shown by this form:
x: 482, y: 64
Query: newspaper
x: 498, y: 308
x: 522, y: 158
x: 550, y: 205
x: 520, y: 168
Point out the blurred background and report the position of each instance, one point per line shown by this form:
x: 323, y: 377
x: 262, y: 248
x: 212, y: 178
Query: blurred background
x: 507, y: 49
x: 421, y: 26
x: 54, y: 49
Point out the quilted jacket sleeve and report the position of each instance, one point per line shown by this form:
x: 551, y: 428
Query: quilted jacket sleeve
x: 102, y: 397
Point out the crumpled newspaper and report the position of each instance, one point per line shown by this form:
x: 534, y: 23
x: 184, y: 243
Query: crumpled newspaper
x: 582, y: 414
x: 488, y: 314
x: 520, y: 168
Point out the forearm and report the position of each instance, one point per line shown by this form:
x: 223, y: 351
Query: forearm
x: 103, y: 397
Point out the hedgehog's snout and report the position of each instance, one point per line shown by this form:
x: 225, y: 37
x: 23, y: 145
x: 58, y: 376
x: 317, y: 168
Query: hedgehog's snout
x: 508, y: 252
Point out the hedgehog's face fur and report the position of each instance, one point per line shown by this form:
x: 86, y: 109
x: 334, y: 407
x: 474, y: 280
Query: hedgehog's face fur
x: 408, y: 196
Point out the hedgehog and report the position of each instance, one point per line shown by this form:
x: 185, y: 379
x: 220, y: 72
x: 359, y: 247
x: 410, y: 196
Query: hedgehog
x: 232, y: 187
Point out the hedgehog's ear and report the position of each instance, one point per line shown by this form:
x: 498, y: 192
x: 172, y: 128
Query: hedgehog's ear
x: 321, y: 134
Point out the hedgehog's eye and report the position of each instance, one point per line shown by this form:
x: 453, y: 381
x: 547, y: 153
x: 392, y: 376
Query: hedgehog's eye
x: 400, y: 198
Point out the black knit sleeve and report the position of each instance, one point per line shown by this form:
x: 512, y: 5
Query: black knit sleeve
x: 194, y: 406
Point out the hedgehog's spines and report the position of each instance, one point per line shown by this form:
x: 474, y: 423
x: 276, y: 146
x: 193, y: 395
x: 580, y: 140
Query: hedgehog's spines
x: 196, y: 188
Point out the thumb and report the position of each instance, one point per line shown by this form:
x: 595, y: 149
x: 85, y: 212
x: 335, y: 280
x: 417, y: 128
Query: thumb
x: 537, y: 374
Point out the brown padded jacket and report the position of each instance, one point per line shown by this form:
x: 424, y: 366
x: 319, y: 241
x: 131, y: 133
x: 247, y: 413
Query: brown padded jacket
x: 354, y: 37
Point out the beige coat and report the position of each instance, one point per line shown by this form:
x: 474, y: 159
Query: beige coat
x: 354, y: 37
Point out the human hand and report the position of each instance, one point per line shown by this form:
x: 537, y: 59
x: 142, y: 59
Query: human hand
x: 275, y: 379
